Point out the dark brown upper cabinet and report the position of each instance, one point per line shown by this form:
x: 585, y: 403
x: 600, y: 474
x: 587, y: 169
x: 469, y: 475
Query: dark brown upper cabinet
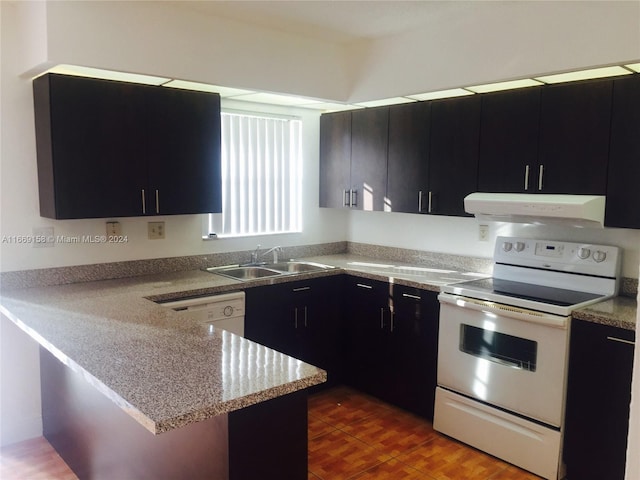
x: 369, y: 143
x: 407, y: 168
x: 335, y: 159
x: 574, y: 137
x: 623, y: 196
x: 509, y: 130
x: 115, y: 149
x: 453, y: 154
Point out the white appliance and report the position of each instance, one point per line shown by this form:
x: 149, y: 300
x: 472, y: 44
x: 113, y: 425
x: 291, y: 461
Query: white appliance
x: 503, y: 348
x: 577, y: 210
x: 224, y: 311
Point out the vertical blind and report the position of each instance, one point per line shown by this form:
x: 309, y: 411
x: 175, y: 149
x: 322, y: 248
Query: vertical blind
x: 261, y: 175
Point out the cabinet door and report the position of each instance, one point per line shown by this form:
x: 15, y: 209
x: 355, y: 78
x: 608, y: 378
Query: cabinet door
x: 367, y: 318
x: 268, y: 319
x: 335, y: 159
x: 316, y: 312
x: 408, y: 158
x: 624, y: 155
x: 414, y: 336
x: 509, y: 127
x: 92, y: 172
x: 453, y: 157
x: 184, y: 152
x: 574, y: 137
x: 598, y: 397
x: 369, y: 137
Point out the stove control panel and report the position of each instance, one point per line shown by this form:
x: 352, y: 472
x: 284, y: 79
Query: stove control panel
x: 587, y: 258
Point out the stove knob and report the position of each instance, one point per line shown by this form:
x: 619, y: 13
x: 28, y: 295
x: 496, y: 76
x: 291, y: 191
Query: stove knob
x: 599, y: 256
x: 228, y: 311
x: 583, y: 253
x: 506, y: 246
x: 519, y: 246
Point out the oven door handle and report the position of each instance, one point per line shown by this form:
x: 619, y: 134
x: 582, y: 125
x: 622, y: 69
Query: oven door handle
x: 518, y: 313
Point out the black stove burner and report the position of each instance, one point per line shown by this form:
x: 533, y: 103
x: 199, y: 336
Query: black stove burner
x: 527, y: 291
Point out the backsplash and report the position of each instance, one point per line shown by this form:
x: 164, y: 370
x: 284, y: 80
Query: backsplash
x: 108, y: 271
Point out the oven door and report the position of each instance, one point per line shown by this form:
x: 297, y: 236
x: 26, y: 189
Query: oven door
x: 504, y: 356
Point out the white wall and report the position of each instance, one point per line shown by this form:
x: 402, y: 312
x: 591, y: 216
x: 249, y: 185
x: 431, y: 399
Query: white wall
x: 488, y: 41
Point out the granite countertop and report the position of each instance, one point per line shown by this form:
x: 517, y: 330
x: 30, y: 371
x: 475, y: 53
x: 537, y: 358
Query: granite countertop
x: 167, y: 372
x: 163, y: 370
x: 616, y: 312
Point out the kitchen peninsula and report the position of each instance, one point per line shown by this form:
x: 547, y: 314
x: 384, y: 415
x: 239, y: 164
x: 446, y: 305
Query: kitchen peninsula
x: 130, y: 390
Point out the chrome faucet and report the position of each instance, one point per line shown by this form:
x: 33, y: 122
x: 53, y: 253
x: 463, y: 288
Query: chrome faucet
x: 275, y: 251
x: 255, y: 255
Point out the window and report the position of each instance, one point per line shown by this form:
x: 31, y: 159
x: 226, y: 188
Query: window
x: 261, y: 176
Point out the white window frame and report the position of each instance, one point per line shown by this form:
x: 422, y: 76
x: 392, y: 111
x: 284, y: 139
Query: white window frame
x: 261, y: 162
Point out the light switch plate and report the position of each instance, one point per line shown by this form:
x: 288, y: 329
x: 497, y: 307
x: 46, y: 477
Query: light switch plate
x: 156, y: 230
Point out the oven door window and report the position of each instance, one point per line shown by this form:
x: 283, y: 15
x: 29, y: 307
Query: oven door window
x: 499, y: 347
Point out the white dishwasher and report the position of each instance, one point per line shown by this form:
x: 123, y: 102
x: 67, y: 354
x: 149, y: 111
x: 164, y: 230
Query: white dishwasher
x: 224, y: 311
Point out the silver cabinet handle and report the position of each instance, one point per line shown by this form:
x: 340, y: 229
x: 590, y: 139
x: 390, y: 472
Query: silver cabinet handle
x: 420, y: 201
x: 430, y: 197
x: 381, y: 318
x: 144, y: 203
x: 540, y: 173
x: 526, y: 177
x: 157, y: 201
x: 295, y: 317
x: 621, y: 340
x: 415, y: 297
x: 346, y: 198
x: 362, y: 285
x: 300, y: 289
x: 354, y: 198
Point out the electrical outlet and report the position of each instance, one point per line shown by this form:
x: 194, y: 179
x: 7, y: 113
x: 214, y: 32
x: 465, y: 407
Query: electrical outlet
x: 483, y: 233
x: 114, y: 229
x: 156, y: 230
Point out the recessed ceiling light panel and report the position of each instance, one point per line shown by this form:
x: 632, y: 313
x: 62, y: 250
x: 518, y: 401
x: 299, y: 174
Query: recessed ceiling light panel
x: 205, y: 87
x: 585, y: 74
x: 454, y: 92
x: 385, y: 101
x: 80, y: 71
x: 496, y: 87
x: 634, y: 66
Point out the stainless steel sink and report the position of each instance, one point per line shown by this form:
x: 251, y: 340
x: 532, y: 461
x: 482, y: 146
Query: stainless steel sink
x: 298, y: 267
x: 245, y: 273
x: 254, y: 272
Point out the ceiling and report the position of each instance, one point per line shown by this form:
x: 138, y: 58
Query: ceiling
x: 338, y: 21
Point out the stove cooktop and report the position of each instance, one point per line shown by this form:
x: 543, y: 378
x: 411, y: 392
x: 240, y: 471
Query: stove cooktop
x: 495, y: 288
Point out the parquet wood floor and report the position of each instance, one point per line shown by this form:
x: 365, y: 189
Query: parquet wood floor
x: 356, y: 437
x: 351, y: 437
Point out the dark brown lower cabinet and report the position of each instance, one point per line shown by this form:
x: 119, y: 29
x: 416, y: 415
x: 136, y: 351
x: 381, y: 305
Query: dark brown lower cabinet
x: 99, y: 441
x: 392, y: 338
x: 598, y: 397
x: 301, y: 319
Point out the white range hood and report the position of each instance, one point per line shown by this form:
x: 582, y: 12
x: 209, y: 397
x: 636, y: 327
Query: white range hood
x: 576, y: 210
